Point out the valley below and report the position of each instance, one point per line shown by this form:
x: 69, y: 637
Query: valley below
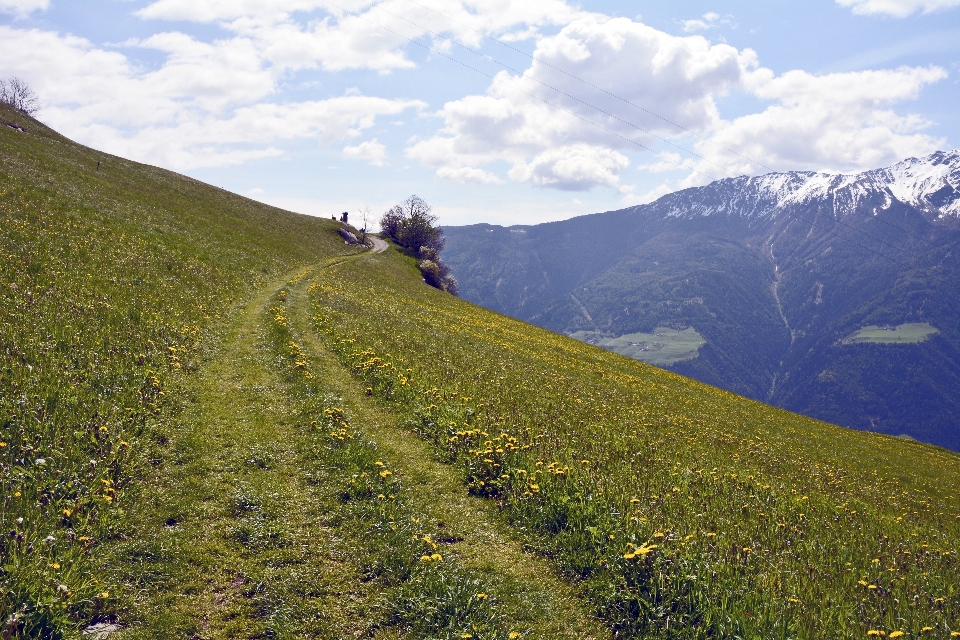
x: 831, y: 295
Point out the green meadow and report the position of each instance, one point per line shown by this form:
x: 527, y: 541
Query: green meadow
x: 909, y: 333
x: 665, y: 346
x: 219, y: 421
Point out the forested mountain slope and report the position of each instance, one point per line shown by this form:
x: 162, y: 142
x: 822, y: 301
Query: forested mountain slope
x: 776, y: 273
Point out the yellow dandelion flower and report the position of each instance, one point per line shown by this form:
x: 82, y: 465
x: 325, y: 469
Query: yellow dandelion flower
x: 896, y: 634
x: 424, y: 558
x: 926, y: 630
x: 874, y: 632
x: 436, y: 557
x: 514, y: 634
x: 481, y: 596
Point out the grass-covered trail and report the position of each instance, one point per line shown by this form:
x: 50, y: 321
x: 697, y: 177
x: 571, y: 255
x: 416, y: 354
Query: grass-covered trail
x: 247, y: 532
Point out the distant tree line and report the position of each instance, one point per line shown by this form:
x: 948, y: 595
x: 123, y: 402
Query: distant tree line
x: 412, y: 225
x: 17, y: 94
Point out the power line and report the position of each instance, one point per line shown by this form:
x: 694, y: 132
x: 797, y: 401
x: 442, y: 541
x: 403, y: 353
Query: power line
x: 586, y: 120
x: 527, y: 93
x: 523, y: 74
x: 590, y: 84
x: 609, y: 93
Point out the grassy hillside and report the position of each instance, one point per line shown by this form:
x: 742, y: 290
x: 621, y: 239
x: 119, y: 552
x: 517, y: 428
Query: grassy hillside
x: 683, y: 510
x: 220, y: 422
x: 775, y: 297
x: 113, y: 284
x: 174, y: 464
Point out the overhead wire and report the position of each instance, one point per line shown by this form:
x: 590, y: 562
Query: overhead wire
x: 609, y: 93
x: 590, y: 84
x: 494, y: 78
x: 527, y: 93
x: 523, y: 74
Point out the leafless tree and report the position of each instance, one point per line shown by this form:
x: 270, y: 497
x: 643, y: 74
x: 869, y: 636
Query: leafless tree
x: 18, y: 94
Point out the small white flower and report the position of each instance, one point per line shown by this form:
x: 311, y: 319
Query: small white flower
x: 41, y: 461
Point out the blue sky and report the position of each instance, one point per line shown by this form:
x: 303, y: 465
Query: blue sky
x: 324, y: 106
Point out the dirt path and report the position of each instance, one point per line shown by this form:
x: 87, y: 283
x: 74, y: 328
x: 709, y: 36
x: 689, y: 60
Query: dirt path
x: 482, y: 542
x: 246, y: 546
x: 242, y: 544
x: 379, y: 246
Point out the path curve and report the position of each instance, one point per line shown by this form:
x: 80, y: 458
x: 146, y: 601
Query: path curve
x: 379, y: 246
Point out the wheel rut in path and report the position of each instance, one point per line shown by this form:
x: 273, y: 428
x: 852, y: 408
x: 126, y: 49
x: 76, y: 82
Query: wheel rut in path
x: 479, y: 538
x: 250, y: 548
x: 245, y: 548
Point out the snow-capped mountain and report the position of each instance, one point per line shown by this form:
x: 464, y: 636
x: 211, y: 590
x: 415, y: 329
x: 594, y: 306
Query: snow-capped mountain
x: 931, y: 184
x: 775, y: 272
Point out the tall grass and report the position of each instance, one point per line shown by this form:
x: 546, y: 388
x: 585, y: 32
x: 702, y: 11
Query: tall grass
x: 683, y: 511
x: 112, y: 284
x: 426, y: 592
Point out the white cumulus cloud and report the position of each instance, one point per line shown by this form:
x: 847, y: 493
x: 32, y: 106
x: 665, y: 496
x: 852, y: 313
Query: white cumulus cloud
x: 574, y: 168
x: 371, y: 151
x: 707, y: 21
x: 836, y: 122
x: 467, y: 175
x: 207, y: 105
x: 296, y: 34
x: 552, y: 139
x: 23, y: 8
x: 897, y: 8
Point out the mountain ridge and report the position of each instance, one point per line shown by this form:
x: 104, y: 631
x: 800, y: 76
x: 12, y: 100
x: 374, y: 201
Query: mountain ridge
x: 767, y: 269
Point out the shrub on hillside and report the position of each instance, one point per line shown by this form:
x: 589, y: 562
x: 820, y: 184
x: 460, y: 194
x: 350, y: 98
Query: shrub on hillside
x: 435, y: 272
x: 411, y: 225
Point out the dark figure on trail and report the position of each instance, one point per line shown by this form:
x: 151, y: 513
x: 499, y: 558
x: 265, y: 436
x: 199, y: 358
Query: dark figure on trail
x: 343, y: 217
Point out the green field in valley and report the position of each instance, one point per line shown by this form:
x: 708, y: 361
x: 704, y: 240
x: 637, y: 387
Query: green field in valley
x: 663, y: 347
x: 219, y: 421
x: 910, y: 333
